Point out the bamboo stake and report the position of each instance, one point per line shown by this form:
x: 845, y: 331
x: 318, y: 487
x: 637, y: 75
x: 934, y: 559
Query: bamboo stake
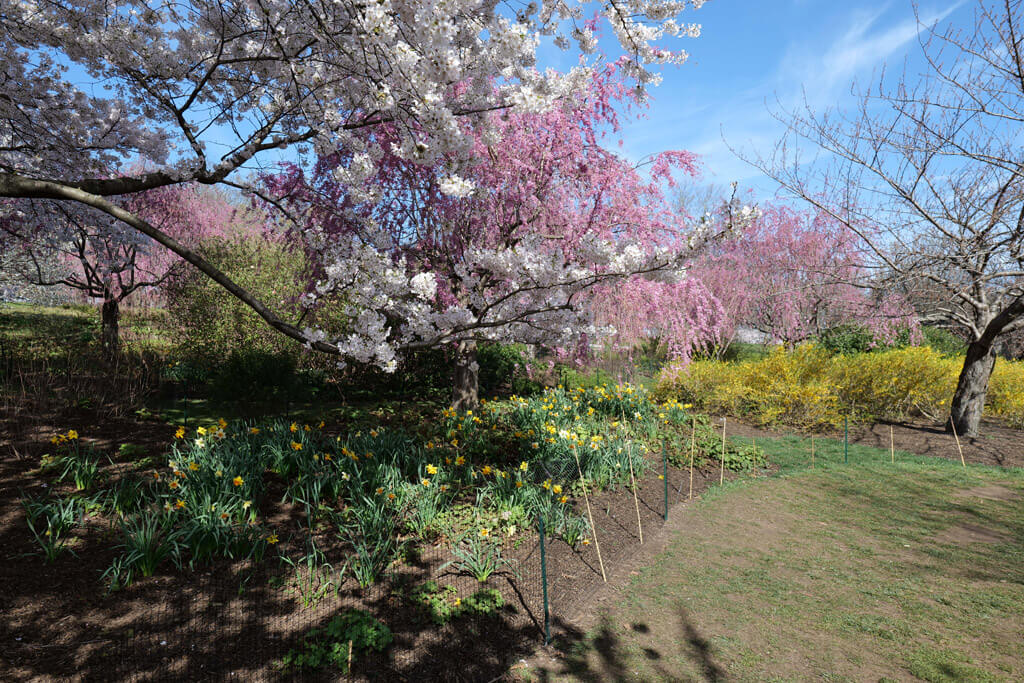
x: 590, y: 515
x: 693, y: 446
x: 721, y: 473
x: 962, y: 461
x: 350, y: 660
x: 892, y: 446
x: 636, y: 501
x: 812, y: 451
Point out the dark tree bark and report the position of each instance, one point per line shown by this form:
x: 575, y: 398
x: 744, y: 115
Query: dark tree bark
x: 466, y: 384
x: 110, y: 335
x: 971, y: 388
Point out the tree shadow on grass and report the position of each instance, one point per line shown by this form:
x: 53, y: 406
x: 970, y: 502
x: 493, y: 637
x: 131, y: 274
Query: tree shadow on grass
x: 610, y: 653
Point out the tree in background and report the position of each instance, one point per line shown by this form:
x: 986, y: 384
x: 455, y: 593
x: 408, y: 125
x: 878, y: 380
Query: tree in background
x: 793, y: 275
x: 929, y: 177
x: 511, y: 250
x: 88, y: 251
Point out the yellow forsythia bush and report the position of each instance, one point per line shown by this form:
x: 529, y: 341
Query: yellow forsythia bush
x: 792, y: 388
x: 896, y: 384
x: 1005, y: 398
x: 808, y: 388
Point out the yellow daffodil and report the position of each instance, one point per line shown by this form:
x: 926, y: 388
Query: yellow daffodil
x: 237, y: 481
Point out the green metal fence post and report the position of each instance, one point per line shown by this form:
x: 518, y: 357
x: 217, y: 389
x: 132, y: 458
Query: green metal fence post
x: 664, y: 468
x: 846, y: 439
x: 544, y: 581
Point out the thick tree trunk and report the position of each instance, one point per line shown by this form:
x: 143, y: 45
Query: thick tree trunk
x: 110, y: 335
x: 465, y: 388
x: 969, y: 399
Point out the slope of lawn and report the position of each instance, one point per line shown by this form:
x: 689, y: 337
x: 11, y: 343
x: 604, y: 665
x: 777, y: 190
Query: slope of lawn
x: 865, y: 571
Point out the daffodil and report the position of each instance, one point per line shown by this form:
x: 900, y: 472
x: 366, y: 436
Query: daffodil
x: 237, y: 481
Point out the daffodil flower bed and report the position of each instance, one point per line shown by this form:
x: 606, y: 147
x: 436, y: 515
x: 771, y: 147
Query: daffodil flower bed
x: 476, y: 480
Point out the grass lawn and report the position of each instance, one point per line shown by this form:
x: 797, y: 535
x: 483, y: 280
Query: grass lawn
x: 865, y: 571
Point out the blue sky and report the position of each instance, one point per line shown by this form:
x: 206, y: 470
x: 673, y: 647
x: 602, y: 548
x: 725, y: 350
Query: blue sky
x: 752, y: 52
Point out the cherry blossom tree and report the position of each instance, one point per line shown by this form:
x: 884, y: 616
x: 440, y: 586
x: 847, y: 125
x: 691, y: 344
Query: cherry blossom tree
x: 76, y: 246
x: 511, y: 250
x: 794, y: 274
x: 207, y: 90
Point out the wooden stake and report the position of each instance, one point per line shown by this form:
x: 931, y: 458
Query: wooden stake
x: 590, y: 515
x: 721, y: 473
x: 693, y: 446
x: 962, y: 461
x: 636, y: 501
x: 350, y: 660
x: 812, y: 451
x: 892, y: 446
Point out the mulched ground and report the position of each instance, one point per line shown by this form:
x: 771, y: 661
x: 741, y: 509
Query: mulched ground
x: 230, y: 622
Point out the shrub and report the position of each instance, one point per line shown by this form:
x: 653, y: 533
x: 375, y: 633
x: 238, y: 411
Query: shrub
x: 895, y: 385
x: 809, y: 389
x: 943, y: 341
x: 212, y: 322
x: 1006, y: 392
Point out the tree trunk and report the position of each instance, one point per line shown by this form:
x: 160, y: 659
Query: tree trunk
x: 465, y: 388
x: 969, y: 399
x: 109, y: 333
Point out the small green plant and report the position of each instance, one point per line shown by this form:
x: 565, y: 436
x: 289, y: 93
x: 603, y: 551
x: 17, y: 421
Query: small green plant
x: 80, y: 465
x: 148, y: 539
x: 131, y: 450
x: 50, y: 520
x: 443, y: 604
x: 125, y: 497
x: 313, y: 576
x: 346, y: 636
x: 370, y: 530
x: 478, y: 556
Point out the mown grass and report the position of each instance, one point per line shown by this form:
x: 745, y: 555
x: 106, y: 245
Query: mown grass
x: 861, y: 571
x: 45, y: 331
